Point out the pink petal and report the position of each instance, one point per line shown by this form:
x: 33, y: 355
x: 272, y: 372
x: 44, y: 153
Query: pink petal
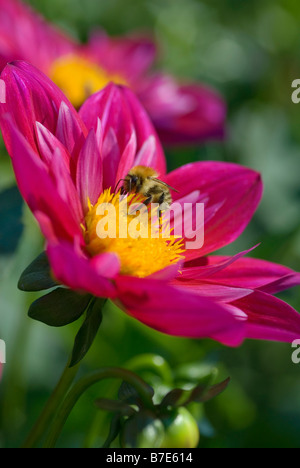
x: 235, y: 190
x: 169, y: 273
x: 128, y: 55
x: 286, y: 282
x: 38, y: 189
x: 269, y: 318
x: 122, y: 115
x: 214, y: 291
x: 65, y: 186
x: 127, y: 158
x: 110, y: 107
x: 178, y: 312
x: 183, y: 113
x: 107, y: 265
x: 145, y: 129
x: 46, y: 226
x: 69, y: 129
x: 206, y: 268
x: 89, y: 174
x: 48, y: 143
x: 252, y: 273
x: 81, y: 274
x: 111, y: 158
x: 32, y: 97
x: 146, y: 155
x: 25, y: 35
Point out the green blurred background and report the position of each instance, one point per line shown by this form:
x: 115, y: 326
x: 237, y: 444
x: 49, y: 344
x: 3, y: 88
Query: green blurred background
x: 249, y: 51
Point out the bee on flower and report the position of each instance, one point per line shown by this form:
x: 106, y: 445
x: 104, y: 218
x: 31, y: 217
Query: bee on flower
x: 67, y: 163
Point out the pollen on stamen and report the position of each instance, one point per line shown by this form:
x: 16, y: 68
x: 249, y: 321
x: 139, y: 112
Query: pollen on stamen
x: 79, y: 78
x: 143, y: 245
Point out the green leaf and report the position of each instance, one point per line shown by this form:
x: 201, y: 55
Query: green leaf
x: 88, y: 331
x: 176, y: 397
x: 59, y: 308
x: 202, y: 394
x: 199, y: 394
x: 37, y: 276
x: 115, y: 406
x: 214, y: 391
x: 11, y: 226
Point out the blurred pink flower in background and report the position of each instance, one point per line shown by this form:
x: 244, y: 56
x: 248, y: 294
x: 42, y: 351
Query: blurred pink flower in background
x: 67, y: 162
x: 181, y: 113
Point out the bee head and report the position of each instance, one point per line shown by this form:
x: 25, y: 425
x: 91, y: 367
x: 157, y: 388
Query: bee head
x: 131, y: 183
x: 134, y: 181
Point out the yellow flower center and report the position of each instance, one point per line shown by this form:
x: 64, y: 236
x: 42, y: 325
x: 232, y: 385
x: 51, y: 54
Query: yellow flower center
x: 78, y: 78
x: 142, y: 242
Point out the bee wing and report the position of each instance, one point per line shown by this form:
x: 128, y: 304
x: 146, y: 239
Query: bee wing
x: 166, y: 185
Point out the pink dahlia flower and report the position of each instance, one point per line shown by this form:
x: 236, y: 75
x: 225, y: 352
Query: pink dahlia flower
x: 66, y: 163
x: 181, y: 113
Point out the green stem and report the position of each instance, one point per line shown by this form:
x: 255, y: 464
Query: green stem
x: 82, y: 385
x: 51, y: 406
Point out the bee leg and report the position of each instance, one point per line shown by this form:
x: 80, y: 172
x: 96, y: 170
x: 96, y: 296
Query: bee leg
x: 148, y: 200
x: 160, y: 201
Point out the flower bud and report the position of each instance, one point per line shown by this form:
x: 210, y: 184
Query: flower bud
x: 181, y: 429
x: 142, y: 430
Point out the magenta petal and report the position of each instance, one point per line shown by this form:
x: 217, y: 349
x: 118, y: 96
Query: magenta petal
x: 130, y: 56
x: 110, y: 107
x: 89, y: 176
x: 169, y: 273
x: 81, y: 274
x: 269, y: 318
x: 65, y: 186
x: 25, y: 35
x: 38, y: 188
x: 252, y: 273
x: 206, y: 267
x: 127, y: 158
x: 46, y: 226
x: 146, y: 155
x: 145, y: 129
x: 183, y: 113
x: 121, y: 115
x: 233, y: 190
x: 178, y: 312
x: 107, y: 265
x: 48, y: 143
x: 69, y: 129
x: 32, y: 97
x: 111, y: 158
x: 286, y: 282
x: 214, y: 291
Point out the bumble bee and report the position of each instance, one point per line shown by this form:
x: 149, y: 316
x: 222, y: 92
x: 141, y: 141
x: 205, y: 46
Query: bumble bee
x: 144, y: 180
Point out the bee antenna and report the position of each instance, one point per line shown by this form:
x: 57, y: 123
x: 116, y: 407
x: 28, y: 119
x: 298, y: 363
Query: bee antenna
x: 118, y: 185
